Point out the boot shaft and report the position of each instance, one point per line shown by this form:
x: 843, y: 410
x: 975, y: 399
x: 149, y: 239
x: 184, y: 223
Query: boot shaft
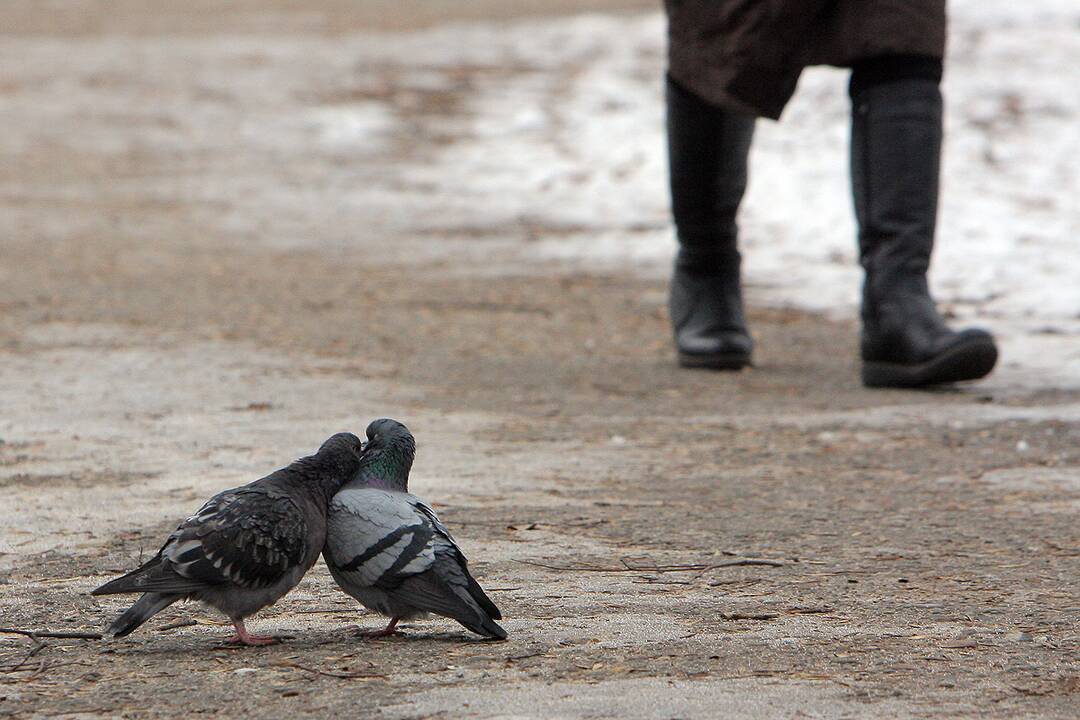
x: 896, y: 136
x: 708, y: 147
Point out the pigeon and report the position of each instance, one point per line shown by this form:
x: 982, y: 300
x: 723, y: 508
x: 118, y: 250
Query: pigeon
x: 246, y: 547
x: 388, y: 549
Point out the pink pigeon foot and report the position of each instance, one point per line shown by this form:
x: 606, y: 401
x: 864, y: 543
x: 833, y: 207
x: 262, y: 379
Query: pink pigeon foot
x: 243, y: 637
x: 385, y: 632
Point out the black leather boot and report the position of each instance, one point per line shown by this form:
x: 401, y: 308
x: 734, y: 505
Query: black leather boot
x: 895, y: 154
x: 707, y: 152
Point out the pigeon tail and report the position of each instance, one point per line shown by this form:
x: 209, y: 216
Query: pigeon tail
x: 129, y: 583
x: 486, y: 627
x: 146, y: 607
x: 484, y: 613
x: 428, y: 592
x: 154, y: 576
x: 477, y: 593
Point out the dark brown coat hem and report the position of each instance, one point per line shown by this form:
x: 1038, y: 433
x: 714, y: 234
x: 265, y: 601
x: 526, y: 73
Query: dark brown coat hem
x: 748, y: 54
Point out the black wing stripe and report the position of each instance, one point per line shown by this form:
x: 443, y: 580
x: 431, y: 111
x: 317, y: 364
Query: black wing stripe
x: 422, y: 535
x: 387, y: 542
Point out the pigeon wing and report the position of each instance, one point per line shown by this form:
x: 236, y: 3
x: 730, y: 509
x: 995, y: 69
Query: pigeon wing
x: 451, y: 565
x: 246, y: 536
x: 446, y: 587
x: 376, y: 537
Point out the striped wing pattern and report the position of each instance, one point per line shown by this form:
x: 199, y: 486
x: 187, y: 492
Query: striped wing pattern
x: 378, y: 538
x: 246, y: 537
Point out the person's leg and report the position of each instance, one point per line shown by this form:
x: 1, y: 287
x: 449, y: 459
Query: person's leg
x: 896, y: 135
x: 707, y: 151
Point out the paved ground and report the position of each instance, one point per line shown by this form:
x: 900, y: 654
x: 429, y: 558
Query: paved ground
x: 188, y: 301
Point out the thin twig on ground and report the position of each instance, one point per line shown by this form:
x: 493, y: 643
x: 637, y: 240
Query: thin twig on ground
x: 33, y: 651
x: 328, y: 673
x: 809, y: 610
x: 52, y: 634
x: 628, y: 566
x: 749, y: 616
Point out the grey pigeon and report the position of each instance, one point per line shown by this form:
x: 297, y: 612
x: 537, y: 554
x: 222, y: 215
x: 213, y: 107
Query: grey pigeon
x: 246, y: 547
x: 388, y: 549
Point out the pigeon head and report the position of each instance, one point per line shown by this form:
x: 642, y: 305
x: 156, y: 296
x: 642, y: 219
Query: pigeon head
x: 343, y: 442
x: 387, y: 431
x: 388, y: 456
x: 338, y: 459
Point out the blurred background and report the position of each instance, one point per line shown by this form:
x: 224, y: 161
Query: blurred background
x: 229, y: 229
x: 485, y: 135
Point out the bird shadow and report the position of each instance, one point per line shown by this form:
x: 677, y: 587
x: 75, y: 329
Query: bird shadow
x: 309, y: 640
x: 403, y: 636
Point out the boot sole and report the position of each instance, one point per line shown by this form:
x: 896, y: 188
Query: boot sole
x: 969, y: 361
x: 725, y: 361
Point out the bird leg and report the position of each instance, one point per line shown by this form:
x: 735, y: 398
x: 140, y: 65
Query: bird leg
x: 385, y: 632
x: 243, y: 637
